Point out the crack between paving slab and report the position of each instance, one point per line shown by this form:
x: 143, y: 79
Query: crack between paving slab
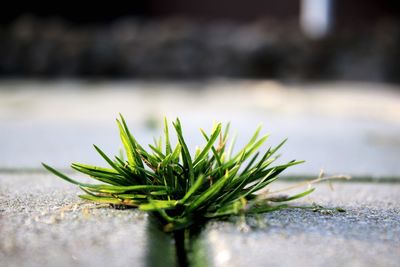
x: 285, y: 178
x: 183, y: 248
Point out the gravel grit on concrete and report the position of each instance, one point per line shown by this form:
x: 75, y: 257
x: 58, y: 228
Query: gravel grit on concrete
x: 367, y: 234
x: 43, y: 223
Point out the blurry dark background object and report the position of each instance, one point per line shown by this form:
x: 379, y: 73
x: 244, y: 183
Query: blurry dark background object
x: 201, y: 39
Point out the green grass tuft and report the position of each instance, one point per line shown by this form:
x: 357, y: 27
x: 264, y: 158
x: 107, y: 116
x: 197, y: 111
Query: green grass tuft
x: 184, y: 189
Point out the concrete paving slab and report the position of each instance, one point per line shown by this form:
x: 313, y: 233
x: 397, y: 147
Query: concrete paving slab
x: 340, y: 127
x: 43, y: 223
x: 367, y: 234
x: 347, y: 128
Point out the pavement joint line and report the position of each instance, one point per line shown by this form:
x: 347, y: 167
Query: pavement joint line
x: 286, y: 178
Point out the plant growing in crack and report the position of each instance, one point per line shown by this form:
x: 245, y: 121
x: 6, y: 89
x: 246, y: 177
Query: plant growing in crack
x: 183, y: 191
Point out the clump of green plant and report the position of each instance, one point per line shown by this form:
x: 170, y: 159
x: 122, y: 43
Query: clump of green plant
x: 183, y: 189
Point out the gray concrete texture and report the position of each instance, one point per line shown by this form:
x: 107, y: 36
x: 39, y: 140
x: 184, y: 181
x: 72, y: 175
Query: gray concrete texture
x: 339, y: 127
x: 367, y: 234
x: 43, y: 223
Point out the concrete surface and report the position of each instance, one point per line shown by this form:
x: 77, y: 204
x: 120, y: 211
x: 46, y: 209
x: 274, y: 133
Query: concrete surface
x: 339, y: 127
x: 342, y: 128
x: 43, y: 223
x: 367, y: 234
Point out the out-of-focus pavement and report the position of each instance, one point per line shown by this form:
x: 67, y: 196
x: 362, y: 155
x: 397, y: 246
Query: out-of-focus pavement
x: 347, y: 128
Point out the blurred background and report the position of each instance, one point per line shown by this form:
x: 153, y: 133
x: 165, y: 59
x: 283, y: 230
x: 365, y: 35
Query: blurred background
x: 289, y: 40
x: 324, y: 73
